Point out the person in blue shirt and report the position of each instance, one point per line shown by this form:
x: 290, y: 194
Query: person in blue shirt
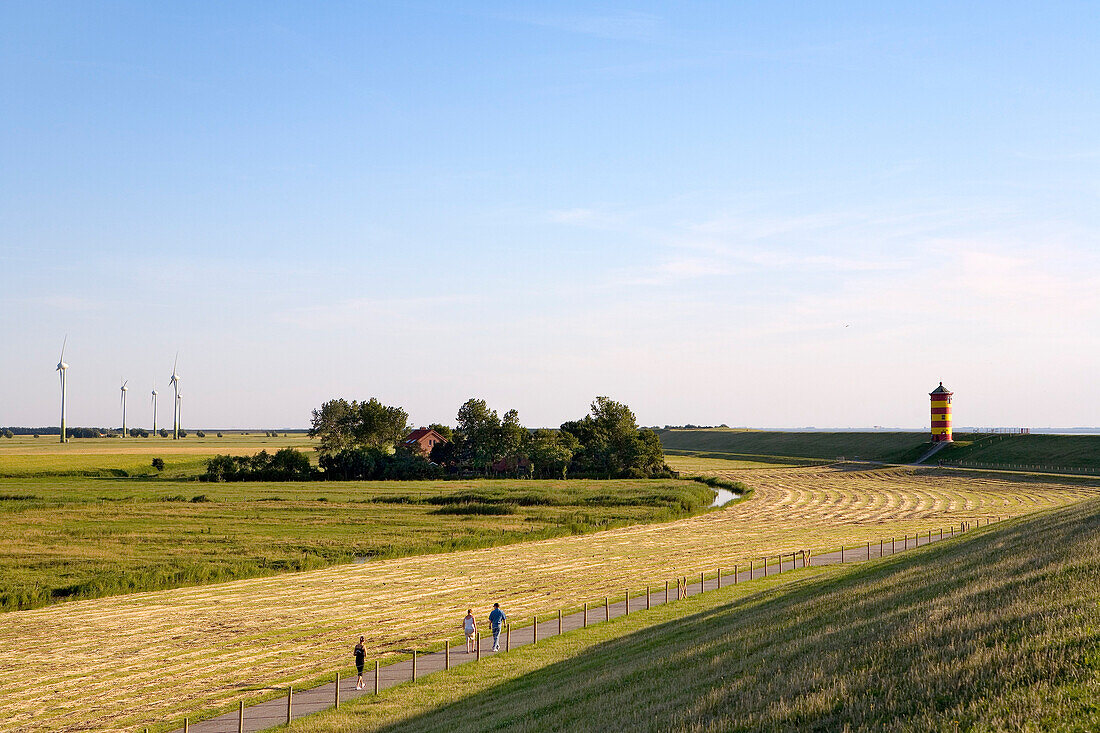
x: 496, y: 620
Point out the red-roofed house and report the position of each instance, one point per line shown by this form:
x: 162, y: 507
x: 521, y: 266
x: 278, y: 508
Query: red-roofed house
x: 423, y: 440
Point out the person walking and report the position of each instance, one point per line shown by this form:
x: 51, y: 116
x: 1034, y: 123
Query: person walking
x: 469, y: 626
x: 360, y: 658
x: 496, y: 620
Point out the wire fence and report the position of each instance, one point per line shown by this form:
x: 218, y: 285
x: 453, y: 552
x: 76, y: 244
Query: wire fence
x: 438, y: 658
x: 1078, y: 471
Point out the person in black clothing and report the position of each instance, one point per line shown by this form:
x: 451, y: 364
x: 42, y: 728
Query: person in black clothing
x: 360, y: 657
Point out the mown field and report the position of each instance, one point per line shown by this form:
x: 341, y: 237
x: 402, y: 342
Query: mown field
x: 68, y: 538
x: 218, y: 643
x: 996, y: 630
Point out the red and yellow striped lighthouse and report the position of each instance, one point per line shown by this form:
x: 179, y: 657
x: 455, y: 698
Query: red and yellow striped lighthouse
x: 941, y: 414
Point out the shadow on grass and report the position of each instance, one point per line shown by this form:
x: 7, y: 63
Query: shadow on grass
x: 992, y: 631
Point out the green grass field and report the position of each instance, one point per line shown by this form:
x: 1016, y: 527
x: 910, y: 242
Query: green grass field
x: 28, y: 457
x: 997, y: 630
x: 69, y: 538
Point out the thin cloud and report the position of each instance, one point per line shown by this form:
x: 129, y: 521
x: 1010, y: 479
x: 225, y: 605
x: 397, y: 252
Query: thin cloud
x: 623, y: 26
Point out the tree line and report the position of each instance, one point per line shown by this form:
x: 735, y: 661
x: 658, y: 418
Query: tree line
x: 365, y: 441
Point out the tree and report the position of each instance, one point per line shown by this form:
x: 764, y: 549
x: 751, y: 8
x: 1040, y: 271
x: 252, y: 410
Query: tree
x: 342, y: 425
x: 480, y: 429
x: 513, y: 436
x: 611, y: 443
x: 162, y: 433
x: 550, y: 452
x: 444, y: 430
x: 158, y: 464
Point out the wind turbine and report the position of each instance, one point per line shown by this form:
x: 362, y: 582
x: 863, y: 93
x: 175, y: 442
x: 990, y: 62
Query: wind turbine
x: 122, y: 401
x: 61, y: 368
x: 154, y: 407
x: 175, y: 380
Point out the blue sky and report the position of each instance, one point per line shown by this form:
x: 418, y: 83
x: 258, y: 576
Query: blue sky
x: 765, y: 214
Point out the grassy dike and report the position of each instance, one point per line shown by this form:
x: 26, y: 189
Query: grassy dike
x: 996, y: 630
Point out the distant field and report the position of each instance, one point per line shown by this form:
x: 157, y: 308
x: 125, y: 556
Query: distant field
x: 698, y: 464
x: 87, y: 537
x: 217, y: 643
x: 992, y: 631
x: 25, y: 456
x: 890, y: 447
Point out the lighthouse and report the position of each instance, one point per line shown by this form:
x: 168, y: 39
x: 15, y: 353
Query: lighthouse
x: 941, y: 414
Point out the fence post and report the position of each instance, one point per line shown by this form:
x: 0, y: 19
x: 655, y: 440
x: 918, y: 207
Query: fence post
x: 375, y: 676
x: 289, y: 702
x: 586, y: 614
x: 647, y: 598
x: 842, y: 554
x: 780, y: 559
x: 446, y: 654
x: 719, y: 578
x: 626, y: 595
x: 240, y: 714
x: 606, y: 609
x: 185, y: 725
x: 477, y: 647
x: 508, y: 636
x: 337, y: 705
x: 414, y: 665
x: 559, y: 622
x: 701, y: 585
x: 751, y: 562
x: 765, y: 566
x: 735, y: 573
x: 666, y: 591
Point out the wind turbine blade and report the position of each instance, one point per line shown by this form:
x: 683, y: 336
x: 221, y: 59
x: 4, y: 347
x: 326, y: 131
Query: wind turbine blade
x: 174, y: 363
x: 63, y: 343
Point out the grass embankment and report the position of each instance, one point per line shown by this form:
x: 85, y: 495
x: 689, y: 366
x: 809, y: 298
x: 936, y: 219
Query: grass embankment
x: 1054, y: 452
x: 88, y: 538
x: 996, y: 630
x: 220, y: 643
x: 774, y: 445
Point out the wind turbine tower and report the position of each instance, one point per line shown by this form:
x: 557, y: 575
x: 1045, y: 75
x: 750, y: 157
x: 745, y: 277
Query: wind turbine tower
x: 154, y: 407
x: 61, y: 369
x: 122, y: 401
x: 176, y: 403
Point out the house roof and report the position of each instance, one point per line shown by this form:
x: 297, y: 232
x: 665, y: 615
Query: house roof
x: 421, y: 433
x: 941, y: 390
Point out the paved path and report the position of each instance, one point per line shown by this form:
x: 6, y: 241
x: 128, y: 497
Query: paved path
x: 306, y: 702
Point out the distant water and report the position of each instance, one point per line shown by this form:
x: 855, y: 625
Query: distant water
x: 723, y: 497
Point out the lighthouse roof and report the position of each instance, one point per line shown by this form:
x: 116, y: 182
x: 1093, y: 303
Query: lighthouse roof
x: 941, y: 390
